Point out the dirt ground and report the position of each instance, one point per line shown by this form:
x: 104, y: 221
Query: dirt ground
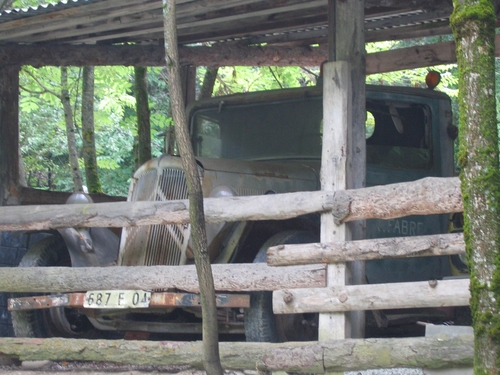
x: 99, y: 368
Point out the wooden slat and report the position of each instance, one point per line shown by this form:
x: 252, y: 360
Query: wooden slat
x: 65, y: 15
x: 227, y: 278
x: 296, y: 357
x: 127, y: 20
x: 422, y: 294
x: 84, y: 17
x: 410, y: 32
x: 438, y: 15
x: 379, y: 248
x: 431, y: 195
x: 91, y: 14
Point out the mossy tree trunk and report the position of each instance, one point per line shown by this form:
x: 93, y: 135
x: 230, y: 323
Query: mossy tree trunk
x: 211, y: 358
x: 88, y: 131
x: 473, y: 24
x: 143, y: 118
x: 70, y: 131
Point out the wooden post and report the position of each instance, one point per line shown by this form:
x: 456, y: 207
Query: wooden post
x: 9, y: 135
x: 336, y: 117
x: 347, y: 43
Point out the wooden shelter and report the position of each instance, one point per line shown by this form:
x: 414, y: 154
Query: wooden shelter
x: 216, y: 33
x: 210, y: 33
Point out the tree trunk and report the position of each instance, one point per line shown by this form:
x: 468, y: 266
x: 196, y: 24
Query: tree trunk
x: 207, y: 86
x: 142, y: 110
x: 70, y: 132
x: 9, y: 135
x: 211, y: 360
x: 22, y: 171
x: 473, y: 24
x: 88, y: 132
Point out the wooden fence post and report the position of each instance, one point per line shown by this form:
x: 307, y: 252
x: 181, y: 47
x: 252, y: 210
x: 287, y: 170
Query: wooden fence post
x: 336, y: 117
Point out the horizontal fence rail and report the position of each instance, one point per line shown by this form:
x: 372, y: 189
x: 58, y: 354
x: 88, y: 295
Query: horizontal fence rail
x: 379, y: 248
x: 227, y: 277
x: 308, y: 357
x: 421, y: 294
x: 431, y: 195
x: 298, y: 287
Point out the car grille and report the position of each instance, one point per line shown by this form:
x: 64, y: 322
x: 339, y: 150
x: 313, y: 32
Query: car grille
x: 156, y: 244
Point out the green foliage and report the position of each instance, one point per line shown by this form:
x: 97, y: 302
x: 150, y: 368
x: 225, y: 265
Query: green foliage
x: 43, y: 139
x: 232, y: 80
x: 31, y: 3
x: 42, y: 130
x: 413, y: 77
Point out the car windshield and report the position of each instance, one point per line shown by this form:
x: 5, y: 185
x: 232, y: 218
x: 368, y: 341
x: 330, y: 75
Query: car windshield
x: 398, y: 134
x: 277, y: 130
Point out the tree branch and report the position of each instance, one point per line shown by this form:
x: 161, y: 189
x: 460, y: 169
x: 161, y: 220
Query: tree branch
x: 211, y: 359
x: 56, y: 94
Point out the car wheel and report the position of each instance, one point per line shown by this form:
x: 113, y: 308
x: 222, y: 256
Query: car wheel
x: 261, y: 325
x: 54, y: 322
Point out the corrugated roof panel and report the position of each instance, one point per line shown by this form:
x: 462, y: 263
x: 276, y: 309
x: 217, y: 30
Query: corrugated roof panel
x: 18, y: 13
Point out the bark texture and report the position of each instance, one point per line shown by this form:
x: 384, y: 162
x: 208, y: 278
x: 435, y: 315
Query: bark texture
x: 378, y: 248
x: 143, y: 120
x: 338, y: 298
x: 9, y: 135
x: 402, y: 199
x: 88, y: 132
x: 211, y: 360
x: 70, y: 132
x: 207, y: 87
x: 227, y: 277
x: 301, y: 357
x: 473, y: 24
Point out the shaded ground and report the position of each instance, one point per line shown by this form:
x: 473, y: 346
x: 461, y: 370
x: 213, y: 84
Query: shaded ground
x: 99, y: 368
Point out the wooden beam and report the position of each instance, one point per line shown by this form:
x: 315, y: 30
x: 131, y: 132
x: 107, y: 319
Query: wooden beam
x: 433, y: 293
x: 431, y: 195
x: 378, y: 248
x: 129, y: 20
x: 350, y: 47
x: 9, y: 135
x: 337, y: 115
x: 414, y: 57
x: 378, y: 203
x: 227, y: 277
x: 223, y: 55
x: 301, y: 357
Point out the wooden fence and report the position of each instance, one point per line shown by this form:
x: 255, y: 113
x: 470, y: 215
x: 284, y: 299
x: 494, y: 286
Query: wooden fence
x: 296, y: 274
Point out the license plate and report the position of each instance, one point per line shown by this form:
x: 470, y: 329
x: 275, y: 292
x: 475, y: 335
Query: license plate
x: 117, y: 299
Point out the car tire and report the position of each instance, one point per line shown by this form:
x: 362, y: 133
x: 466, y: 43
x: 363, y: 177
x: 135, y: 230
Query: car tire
x: 261, y: 325
x: 55, y: 322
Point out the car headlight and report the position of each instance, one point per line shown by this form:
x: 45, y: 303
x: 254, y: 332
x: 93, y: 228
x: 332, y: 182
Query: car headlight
x: 222, y: 191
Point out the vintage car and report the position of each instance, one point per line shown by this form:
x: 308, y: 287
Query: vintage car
x: 253, y: 144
